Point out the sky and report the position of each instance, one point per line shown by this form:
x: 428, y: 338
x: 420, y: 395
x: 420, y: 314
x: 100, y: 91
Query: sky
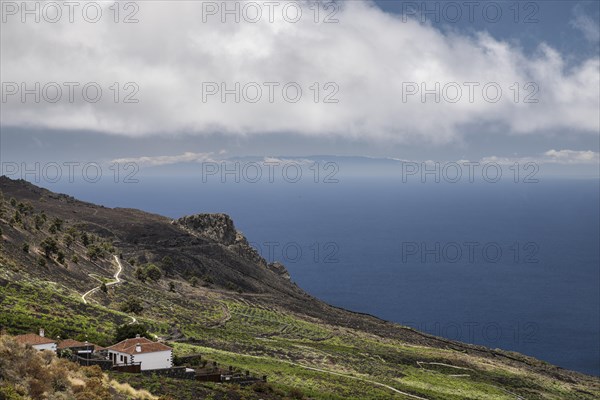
x: 402, y: 79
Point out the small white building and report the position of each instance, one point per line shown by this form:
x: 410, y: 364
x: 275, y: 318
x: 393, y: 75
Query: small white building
x: 38, y: 342
x: 151, y: 355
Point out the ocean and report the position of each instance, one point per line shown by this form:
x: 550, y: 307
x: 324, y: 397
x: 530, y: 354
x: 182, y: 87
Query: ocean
x: 505, y: 265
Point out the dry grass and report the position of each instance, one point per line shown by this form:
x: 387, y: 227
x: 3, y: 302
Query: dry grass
x: 29, y: 374
x: 126, y: 389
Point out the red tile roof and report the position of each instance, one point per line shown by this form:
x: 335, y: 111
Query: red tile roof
x: 128, y: 346
x: 98, y: 348
x: 33, y: 339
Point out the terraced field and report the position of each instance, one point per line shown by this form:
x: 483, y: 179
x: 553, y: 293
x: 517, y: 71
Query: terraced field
x: 28, y: 304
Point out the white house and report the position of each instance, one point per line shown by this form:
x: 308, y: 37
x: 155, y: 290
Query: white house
x: 38, y: 342
x: 151, y: 355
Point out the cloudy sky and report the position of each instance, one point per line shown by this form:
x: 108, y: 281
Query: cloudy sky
x: 411, y: 80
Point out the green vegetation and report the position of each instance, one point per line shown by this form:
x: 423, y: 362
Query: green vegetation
x: 39, y: 222
x: 49, y: 246
x: 153, y: 272
x: 60, y: 257
x: 149, y: 271
x: 17, y: 217
x: 131, y: 330
x: 140, y: 274
x: 27, y: 306
x: 85, y: 240
x: 132, y: 305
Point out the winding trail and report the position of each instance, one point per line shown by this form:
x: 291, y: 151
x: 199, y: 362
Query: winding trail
x: 116, y: 277
x: 117, y: 280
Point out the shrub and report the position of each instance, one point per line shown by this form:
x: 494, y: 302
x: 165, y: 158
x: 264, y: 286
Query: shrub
x: 39, y: 222
x: 85, y: 240
x: 58, y: 223
x: 262, y: 387
x: 94, y: 252
x: 140, y: 274
x: 132, y: 305
x: 296, y: 394
x: 153, y: 272
x: 167, y: 265
x: 128, y: 331
x: 68, y: 240
x: 60, y: 257
x: 49, y: 246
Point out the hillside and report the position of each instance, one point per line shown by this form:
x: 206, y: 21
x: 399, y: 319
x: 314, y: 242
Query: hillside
x: 28, y: 372
x: 197, y: 283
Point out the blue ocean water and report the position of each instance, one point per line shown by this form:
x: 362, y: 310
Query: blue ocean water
x: 511, y: 266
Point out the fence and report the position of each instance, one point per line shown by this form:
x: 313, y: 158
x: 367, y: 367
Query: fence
x: 88, y: 362
x: 175, y: 372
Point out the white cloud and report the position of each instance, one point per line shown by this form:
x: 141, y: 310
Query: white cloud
x: 283, y: 161
x: 189, y: 157
x: 585, y: 24
x: 370, y: 55
x: 167, y: 160
x: 570, y: 157
x: 573, y: 157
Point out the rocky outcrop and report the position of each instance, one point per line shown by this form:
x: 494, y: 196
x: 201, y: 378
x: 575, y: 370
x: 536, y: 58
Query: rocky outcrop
x: 279, y: 269
x: 216, y: 227
x: 220, y: 228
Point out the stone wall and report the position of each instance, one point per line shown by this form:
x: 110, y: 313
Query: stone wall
x: 175, y: 372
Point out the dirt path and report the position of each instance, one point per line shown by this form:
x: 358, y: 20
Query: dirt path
x: 116, y: 280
